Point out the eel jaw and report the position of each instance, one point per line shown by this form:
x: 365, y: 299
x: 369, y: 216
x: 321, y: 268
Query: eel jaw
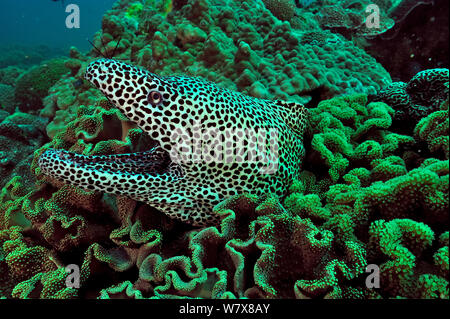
x: 104, y: 173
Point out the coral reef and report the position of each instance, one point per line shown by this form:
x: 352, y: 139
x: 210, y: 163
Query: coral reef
x: 34, y: 84
x: 282, y: 9
x: 434, y: 131
x: 7, y: 100
x: 200, y: 38
x: 9, y: 75
x: 23, y: 56
x: 20, y: 135
x: 421, y: 96
x: 351, y: 19
x: 316, y: 243
x: 374, y: 189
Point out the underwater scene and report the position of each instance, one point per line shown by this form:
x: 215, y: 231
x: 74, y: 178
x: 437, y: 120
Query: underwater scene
x: 224, y: 149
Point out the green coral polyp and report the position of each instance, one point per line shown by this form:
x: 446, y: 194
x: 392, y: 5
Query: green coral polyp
x: 134, y: 10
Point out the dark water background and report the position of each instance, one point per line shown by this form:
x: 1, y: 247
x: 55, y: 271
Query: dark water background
x: 42, y: 22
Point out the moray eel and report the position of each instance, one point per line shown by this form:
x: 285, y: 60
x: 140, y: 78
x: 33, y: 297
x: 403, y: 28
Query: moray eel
x: 213, y: 143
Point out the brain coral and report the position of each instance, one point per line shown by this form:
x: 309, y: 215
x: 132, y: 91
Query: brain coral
x: 210, y: 38
x: 414, y: 100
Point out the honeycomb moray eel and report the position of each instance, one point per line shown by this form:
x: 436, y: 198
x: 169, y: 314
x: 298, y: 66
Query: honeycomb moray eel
x: 213, y: 143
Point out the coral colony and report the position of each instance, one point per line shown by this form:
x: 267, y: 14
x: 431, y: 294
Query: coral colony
x: 230, y: 149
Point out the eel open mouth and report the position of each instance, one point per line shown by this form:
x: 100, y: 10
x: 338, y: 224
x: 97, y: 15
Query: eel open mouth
x: 119, y: 173
x: 103, y: 172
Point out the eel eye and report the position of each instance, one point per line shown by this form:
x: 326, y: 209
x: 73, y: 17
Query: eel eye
x: 154, y: 97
